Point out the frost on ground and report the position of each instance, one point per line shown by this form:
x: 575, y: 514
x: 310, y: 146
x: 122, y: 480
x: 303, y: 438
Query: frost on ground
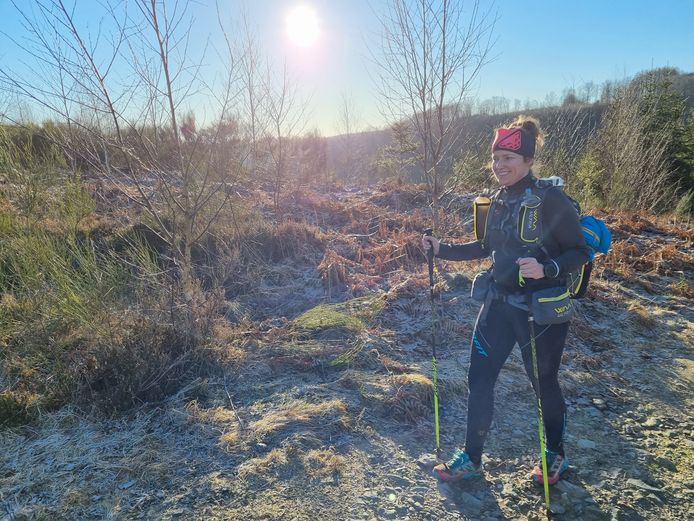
x: 326, y: 412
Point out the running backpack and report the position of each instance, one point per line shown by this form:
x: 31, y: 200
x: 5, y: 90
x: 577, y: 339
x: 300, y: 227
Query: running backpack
x: 528, y: 227
x: 597, y: 236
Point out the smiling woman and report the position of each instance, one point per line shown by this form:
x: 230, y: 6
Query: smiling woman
x: 302, y: 26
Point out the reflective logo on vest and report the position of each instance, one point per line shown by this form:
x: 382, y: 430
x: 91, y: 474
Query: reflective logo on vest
x: 562, y: 309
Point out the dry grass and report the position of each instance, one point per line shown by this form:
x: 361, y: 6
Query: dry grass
x: 574, y: 382
x: 228, y: 343
x: 589, y: 362
x: 642, y: 245
x: 322, y: 417
x: 70, y: 459
x: 682, y: 288
x: 394, y: 366
x: 410, y: 396
x: 627, y: 223
x: 230, y: 441
x: 648, y: 257
x: 288, y: 239
x: 594, y: 337
x: 642, y: 316
x: 288, y: 424
x: 262, y: 465
x: 319, y: 463
x: 219, y: 420
x: 400, y: 197
x: 74, y: 497
x: 333, y: 269
x: 214, y: 416
x: 19, y: 406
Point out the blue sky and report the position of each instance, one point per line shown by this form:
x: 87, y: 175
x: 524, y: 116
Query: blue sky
x: 542, y: 46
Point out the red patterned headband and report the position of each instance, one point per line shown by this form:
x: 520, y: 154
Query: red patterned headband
x: 516, y: 140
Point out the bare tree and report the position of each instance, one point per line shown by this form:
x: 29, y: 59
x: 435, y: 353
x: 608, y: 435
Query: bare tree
x: 285, y: 115
x: 312, y: 151
x: 431, y: 52
x: 347, y: 124
x: 271, y: 110
x: 588, y: 92
x: 551, y: 100
x: 254, y: 93
x: 570, y: 129
x: 122, y: 95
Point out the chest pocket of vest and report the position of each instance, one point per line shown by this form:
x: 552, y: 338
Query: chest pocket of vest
x: 530, y: 220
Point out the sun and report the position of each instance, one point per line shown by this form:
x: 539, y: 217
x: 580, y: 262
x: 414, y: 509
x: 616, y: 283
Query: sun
x: 302, y: 26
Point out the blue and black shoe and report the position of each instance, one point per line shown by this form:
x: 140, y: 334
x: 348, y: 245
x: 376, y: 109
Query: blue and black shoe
x: 458, y: 467
x: 556, y: 466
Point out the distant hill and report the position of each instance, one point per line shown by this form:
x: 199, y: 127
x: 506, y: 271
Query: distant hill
x: 350, y: 157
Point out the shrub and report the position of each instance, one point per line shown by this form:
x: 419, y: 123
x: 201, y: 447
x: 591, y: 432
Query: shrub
x: 471, y: 173
x: 88, y: 325
x: 590, y: 185
x: 30, y: 164
x: 638, y: 146
x: 685, y: 205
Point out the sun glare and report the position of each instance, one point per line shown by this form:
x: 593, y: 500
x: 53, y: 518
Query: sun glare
x: 302, y: 26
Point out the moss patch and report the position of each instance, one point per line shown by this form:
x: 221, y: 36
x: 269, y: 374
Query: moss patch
x: 351, y: 316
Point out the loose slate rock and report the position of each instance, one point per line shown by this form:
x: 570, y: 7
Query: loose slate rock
x: 572, y: 490
x: 600, y: 404
x: 427, y: 461
x: 640, y: 484
x: 399, y: 481
x: 665, y: 463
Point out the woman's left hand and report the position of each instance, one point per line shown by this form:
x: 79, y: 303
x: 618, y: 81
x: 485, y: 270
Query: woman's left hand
x: 530, y: 268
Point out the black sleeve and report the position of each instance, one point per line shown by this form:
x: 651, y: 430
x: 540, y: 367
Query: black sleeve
x: 568, y: 247
x: 460, y: 252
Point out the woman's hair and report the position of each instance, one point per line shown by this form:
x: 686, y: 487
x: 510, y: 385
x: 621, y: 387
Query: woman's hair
x: 532, y: 126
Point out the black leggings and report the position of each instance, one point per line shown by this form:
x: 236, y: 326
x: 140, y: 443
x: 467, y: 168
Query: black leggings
x: 492, y: 342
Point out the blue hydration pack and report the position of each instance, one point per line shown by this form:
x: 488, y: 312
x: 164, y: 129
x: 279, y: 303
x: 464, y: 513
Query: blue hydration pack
x: 597, y: 234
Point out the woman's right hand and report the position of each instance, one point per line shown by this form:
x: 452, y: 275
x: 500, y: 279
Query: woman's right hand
x: 431, y: 242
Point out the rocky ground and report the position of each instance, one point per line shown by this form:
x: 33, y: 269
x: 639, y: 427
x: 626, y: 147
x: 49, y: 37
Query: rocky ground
x: 325, y: 410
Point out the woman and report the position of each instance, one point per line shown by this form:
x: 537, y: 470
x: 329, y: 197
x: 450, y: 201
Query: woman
x: 519, y: 269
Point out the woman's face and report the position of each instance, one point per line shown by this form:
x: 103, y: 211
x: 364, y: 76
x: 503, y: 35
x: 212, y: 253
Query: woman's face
x: 509, y: 167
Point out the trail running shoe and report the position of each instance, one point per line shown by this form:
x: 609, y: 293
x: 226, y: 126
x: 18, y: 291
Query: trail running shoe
x: 457, y: 468
x: 556, y: 466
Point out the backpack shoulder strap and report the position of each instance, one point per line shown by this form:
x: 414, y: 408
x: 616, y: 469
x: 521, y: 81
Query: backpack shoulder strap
x: 482, y: 206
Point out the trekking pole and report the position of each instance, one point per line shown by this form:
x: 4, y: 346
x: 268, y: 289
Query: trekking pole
x: 430, y: 260
x: 540, y: 421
